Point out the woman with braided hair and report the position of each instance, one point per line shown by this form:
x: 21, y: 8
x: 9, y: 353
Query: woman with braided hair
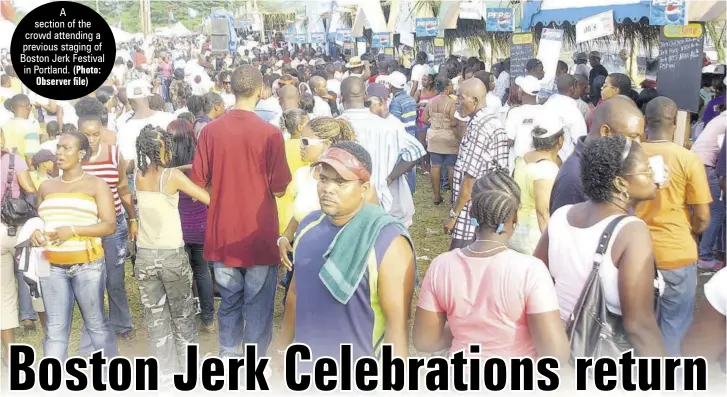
x: 317, y: 136
x: 162, y: 267
x: 490, y: 295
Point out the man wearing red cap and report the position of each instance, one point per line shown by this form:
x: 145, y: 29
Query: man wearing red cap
x: 354, y: 266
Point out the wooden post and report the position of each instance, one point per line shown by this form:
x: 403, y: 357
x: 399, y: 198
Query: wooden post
x: 681, y: 135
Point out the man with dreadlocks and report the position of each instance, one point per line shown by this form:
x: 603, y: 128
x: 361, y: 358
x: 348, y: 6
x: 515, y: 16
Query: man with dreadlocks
x: 515, y: 312
x: 483, y: 147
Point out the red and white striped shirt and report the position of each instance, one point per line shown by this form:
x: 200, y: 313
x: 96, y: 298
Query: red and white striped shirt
x: 108, y: 170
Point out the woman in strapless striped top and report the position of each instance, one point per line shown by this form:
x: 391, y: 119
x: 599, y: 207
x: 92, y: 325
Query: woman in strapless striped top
x: 162, y: 266
x: 107, y: 163
x: 78, y: 210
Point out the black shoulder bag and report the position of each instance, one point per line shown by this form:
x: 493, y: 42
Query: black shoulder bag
x: 15, y: 211
x: 592, y: 330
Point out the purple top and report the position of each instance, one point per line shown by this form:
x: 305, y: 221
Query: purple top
x: 712, y: 109
x: 321, y: 321
x: 194, y: 219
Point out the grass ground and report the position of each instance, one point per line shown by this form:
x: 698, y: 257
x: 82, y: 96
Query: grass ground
x: 426, y: 231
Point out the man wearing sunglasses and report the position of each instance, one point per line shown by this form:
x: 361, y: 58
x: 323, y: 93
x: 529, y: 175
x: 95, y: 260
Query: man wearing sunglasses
x: 368, y: 304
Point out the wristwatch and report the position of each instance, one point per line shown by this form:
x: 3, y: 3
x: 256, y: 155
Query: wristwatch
x: 452, y: 214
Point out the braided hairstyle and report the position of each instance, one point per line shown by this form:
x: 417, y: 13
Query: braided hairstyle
x: 495, y: 199
x: 149, y: 147
x: 332, y: 130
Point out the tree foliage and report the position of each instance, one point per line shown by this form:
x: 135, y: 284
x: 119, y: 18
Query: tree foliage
x: 125, y: 14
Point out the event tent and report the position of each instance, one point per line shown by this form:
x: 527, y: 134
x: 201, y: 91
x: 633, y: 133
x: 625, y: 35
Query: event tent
x: 120, y: 36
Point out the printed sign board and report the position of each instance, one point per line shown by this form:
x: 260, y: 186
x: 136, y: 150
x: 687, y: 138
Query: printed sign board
x: 597, y: 26
x: 426, y: 27
x: 499, y: 20
x: 680, y: 64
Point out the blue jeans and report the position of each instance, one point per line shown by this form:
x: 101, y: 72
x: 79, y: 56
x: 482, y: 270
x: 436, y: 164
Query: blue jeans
x: 115, y: 249
x: 713, y: 235
x: 25, y: 303
x: 677, y: 306
x: 246, y: 310
x: 62, y: 289
x: 203, y: 281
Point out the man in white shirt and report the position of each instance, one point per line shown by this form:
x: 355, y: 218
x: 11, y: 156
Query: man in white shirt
x: 503, y: 79
x: 318, y: 86
x: 383, y: 139
x: 519, y: 122
x: 563, y: 105
x: 580, y: 66
x: 138, y: 93
x: 332, y: 84
x: 418, y: 72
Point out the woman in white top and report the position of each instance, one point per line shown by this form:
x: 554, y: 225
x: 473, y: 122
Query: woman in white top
x: 162, y: 267
x: 317, y: 136
x: 616, y: 175
x: 535, y: 173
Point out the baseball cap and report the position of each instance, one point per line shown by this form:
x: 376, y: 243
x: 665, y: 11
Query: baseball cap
x: 42, y: 156
x: 345, y: 163
x: 528, y: 84
x: 377, y: 90
x: 397, y: 80
x: 138, y: 89
x: 550, y: 122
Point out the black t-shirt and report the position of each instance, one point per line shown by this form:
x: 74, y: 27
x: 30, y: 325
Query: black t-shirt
x: 599, y: 70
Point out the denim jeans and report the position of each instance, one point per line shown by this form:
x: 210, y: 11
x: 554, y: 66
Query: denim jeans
x: 714, y: 233
x: 246, y: 310
x: 115, y: 249
x: 62, y: 289
x: 203, y: 281
x: 165, y: 291
x: 25, y: 302
x: 677, y: 306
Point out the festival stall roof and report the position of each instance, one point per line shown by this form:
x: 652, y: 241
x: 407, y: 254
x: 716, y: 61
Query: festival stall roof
x: 6, y: 33
x: 179, y: 30
x: 558, y: 12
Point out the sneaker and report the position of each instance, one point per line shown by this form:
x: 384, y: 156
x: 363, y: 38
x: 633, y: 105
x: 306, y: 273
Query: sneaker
x: 128, y: 336
x: 208, y: 328
x: 710, y: 265
x: 28, y: 325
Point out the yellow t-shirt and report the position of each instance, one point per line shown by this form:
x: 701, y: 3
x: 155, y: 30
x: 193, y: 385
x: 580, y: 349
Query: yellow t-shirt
x: 22, y: 136
x: 667, y: 215
x: 285, y: 203
x: 38, y: 178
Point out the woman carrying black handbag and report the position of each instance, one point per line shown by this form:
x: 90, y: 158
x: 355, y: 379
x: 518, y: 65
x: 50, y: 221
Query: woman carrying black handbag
x: 602, y: 260
x: 16, y: 183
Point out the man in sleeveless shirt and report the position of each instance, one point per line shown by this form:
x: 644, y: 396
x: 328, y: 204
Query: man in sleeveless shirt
x: 377, y: 311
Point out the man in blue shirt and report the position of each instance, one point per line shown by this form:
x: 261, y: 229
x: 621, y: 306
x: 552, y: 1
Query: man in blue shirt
x: 404, y: 108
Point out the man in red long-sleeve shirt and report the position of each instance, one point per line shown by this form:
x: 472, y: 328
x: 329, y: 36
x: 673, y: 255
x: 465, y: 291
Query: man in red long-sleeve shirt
x: 242, y: 160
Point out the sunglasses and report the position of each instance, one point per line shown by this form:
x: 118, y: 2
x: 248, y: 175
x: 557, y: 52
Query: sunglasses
x: 227, y: 82
x: 305, y: 141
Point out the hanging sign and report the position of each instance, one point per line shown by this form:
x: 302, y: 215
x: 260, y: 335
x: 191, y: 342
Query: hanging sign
x: 551, y: 42
x: 426, y: 27
x: 344, y: 35
x: 381, y: 40
x: 680, y: 64
x: 317, y: 38
x: 597, y: 26
x: 499, y: 20
x: 389, y: 53
x: 299, y: 39
x: 668, y: 12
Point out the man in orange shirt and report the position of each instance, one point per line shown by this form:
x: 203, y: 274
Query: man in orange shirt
x: 673, y: 229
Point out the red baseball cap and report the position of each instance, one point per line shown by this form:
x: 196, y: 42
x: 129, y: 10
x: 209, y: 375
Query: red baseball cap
x: 346, y: 164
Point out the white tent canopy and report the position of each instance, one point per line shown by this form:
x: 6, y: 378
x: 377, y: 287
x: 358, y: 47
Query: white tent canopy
x: 180, y: 30
x: 6, y: 33
x: 120, y: 36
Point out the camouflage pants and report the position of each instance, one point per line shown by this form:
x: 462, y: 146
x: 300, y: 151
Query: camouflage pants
x: 165, y: 287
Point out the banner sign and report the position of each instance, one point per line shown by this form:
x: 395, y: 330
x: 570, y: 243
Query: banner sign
x: 551, y: 43
x: 299, y: 39
x: 597, y: 26
x: 317, y: 38
x: 426, y: 27
x: 381, y: 40
x: 344, y: 35
x: 499, y: 20
x: 668, y: 12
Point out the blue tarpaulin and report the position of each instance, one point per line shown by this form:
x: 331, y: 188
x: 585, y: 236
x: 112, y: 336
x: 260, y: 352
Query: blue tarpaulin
x: 231, y: 27
x: 533, y: 14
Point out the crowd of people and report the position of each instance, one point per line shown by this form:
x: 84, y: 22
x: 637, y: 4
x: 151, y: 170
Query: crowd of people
x: 209, y: 171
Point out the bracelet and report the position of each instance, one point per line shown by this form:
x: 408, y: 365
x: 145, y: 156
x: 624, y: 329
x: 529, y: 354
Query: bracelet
x: 281, y: 238
x: 281, y: 352
x: 73, y: 229
x: 133, y: 219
